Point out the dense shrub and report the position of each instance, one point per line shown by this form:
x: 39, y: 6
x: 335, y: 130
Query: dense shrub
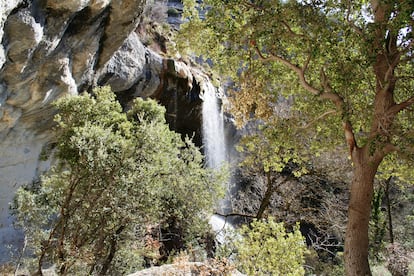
x: 266, y: 248
x: 115, y: 173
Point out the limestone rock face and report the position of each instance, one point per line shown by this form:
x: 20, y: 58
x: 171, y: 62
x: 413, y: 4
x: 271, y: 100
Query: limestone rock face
x: 53, y: 48
x: 126, y: 66
x: 5, y: 8
x: 137, y: 71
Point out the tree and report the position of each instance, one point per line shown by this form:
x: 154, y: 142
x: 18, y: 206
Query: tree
x: 115, y: 171
x: 348, y: 67
x: 267, y: 249
x: 263, y: 155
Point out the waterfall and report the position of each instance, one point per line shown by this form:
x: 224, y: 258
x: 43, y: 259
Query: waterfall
x: 215, y: 150
x: 213, y: 128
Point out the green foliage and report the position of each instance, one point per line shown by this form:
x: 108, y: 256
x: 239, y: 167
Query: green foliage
x: 339, y: 69
x: 316, y: 266
x: 114, y: 172
x: 275, y: 50
x: 377, y: 225
x: 128, y: 259
x: 402, y: 203
x: 266, y: 248
x: 270, y: 149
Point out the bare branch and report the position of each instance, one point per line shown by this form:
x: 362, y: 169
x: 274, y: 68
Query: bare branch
x: 401, y: 106
x: 325, y: 243
x: 335, y: 98
x: 318, y: 118
x: 357, y: 29
x: 305, y: 66
x: 388, y: 148
x: 299, y: 71
x: 325, y: 84
x: 352, y: 23
x: 291, y: 32
x: 349, y: 136
x: 235, y: 215
x: 391, y: 67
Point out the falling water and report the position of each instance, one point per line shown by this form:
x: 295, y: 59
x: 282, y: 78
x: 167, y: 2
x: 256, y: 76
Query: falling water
x: 215, y: 150
x: 213, y: 128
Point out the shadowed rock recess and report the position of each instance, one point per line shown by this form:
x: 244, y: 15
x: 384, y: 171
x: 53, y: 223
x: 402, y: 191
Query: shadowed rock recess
x: 53, y: 48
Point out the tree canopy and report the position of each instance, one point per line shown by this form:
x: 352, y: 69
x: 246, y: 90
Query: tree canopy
x: 321, y: 52
x: 346, y: 68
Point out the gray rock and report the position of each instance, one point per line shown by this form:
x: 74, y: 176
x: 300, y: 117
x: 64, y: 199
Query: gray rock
x: 70, y: 6
x: 123, y: 19
x: 187, y: 269
x: 126, y: 66
x: 5, y: 8
x: 133, y: 68
x: 19, y: 162
x: 23, y: 34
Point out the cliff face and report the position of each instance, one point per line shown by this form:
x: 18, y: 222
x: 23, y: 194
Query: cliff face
x: 53, y: 48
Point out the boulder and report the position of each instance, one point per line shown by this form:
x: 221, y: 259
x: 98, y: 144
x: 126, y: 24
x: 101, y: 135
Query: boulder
x: 188, y: 269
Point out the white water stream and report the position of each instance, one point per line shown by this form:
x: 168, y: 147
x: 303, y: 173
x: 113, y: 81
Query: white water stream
x: 214, y: 148
x: 213, y: 128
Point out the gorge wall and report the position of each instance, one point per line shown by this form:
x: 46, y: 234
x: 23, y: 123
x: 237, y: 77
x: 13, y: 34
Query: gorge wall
x: 53, y: 48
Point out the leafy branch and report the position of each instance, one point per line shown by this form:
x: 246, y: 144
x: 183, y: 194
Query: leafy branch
x: 325, y: 94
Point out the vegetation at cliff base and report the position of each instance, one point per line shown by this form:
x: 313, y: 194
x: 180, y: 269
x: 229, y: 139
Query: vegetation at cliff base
x: 266, y: 248
x: 118, y: 177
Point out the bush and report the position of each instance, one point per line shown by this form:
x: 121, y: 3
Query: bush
x: 266, y: 248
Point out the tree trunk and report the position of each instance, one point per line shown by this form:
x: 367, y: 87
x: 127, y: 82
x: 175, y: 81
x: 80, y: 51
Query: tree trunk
x: 112, y: 250
x: 269, y: 192
x: 267, y: 196
x: 362, y: 188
